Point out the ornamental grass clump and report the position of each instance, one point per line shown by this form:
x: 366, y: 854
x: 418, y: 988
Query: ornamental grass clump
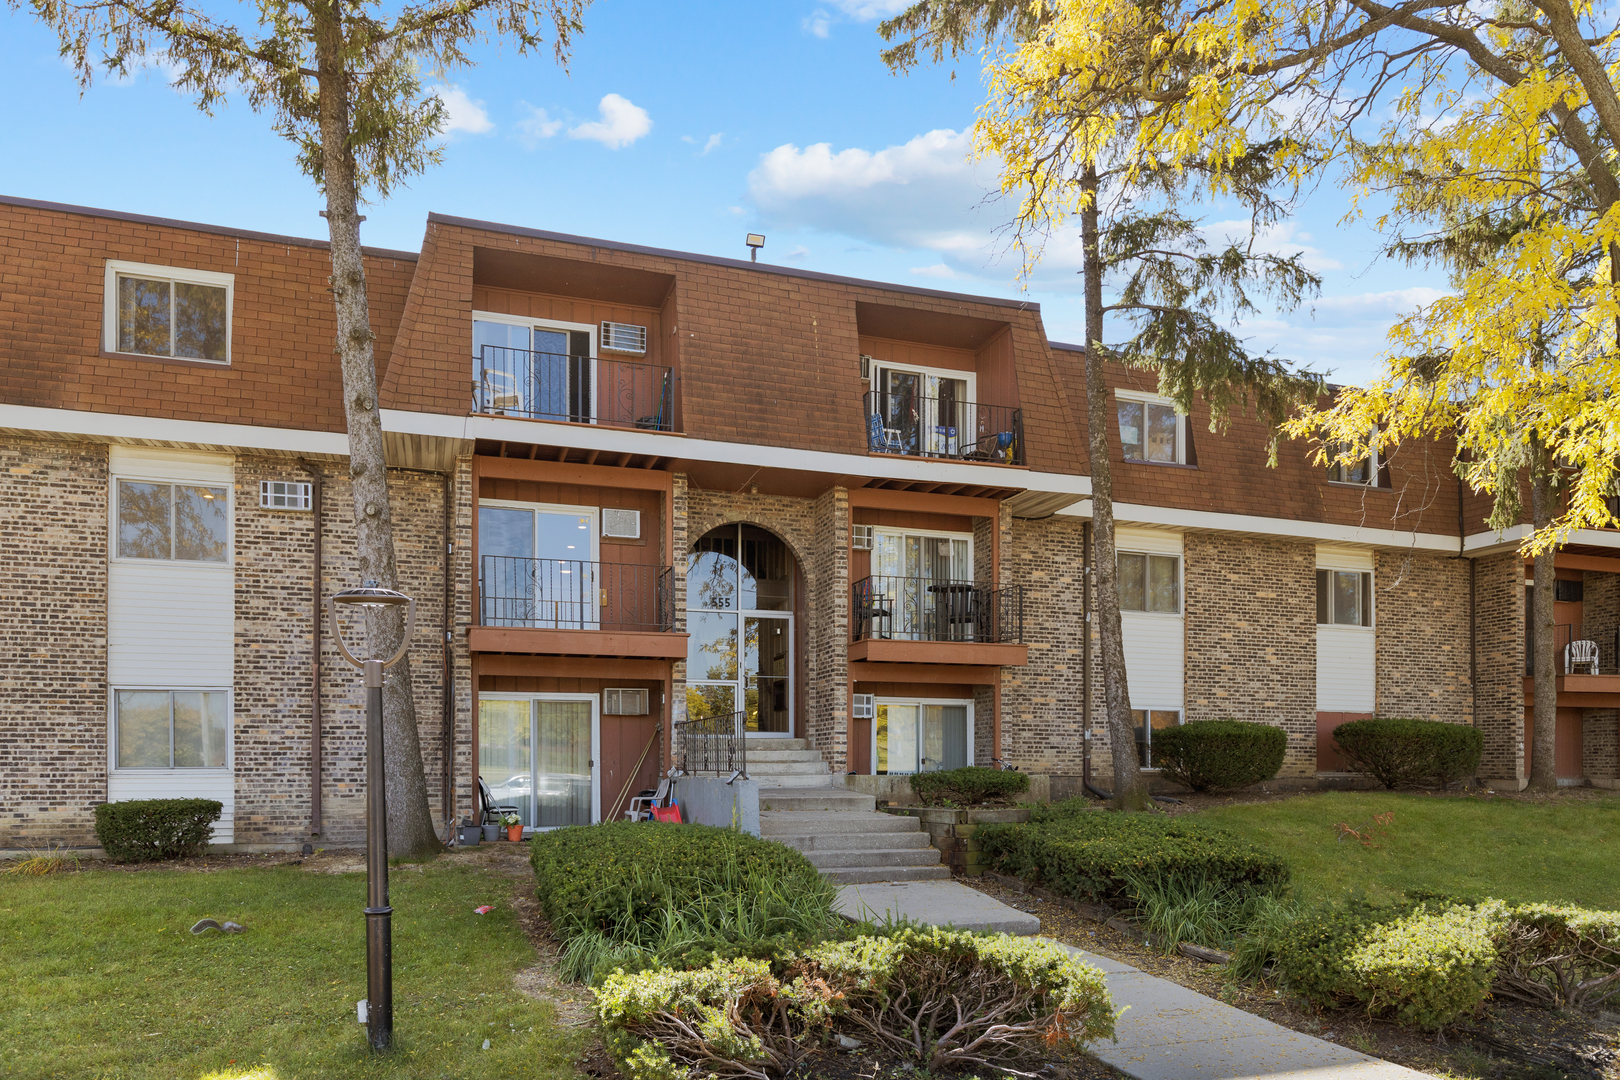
x: 1398, y: 751
x: 938, y: 999
x: 145, y: 830
x: 972, y: 786
x: 1219, y: 755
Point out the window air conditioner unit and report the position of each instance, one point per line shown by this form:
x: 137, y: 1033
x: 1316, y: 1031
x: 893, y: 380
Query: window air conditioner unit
x: 860, y: 537
x: 284, y: 495
x: 624, y: 524
x: 624, y: 337
x: 865, y: 707
x: 624, y: 701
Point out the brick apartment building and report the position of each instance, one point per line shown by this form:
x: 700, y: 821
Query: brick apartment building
x: 634, y: 488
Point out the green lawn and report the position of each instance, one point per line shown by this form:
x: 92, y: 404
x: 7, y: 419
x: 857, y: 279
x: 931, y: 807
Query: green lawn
x: 100, y: 978
x: 1565, y: 849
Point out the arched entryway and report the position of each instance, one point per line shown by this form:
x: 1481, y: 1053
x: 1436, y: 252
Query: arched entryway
x: 743, y: 591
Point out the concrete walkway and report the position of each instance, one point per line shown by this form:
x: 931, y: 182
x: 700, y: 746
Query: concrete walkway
x: 1166, y: 1032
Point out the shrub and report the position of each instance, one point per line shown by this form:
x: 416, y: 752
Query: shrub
x: 1220, y: 755
x: 1398, y: 751
x: 1556, y: 956
x: 1200, y: 911
x: 1270, y: 923
x: 940, y: 999
x: 1097, y: 855
x: 142, y: 830
x: 974, y: 785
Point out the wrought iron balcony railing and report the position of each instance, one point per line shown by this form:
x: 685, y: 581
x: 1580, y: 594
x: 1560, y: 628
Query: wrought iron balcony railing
x: 943, y: 428
x: 563, y: 594
x: 581, y: 389
x: 713, y: 744
x: 927, y: 609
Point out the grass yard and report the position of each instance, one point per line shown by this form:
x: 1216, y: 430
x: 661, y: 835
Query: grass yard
x: 1561, y: 849
x: 102, y: 978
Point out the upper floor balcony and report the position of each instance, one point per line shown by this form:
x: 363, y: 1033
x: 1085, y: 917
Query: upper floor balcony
x: 574, y: 607
x: 943, y: 427
x: 580, y: 389
x: 933, y: 620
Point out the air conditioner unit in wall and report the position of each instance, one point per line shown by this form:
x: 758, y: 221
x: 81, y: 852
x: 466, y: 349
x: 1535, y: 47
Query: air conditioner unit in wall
x: 866, y: 366
x: 861, y: 537
x: 624, y: 337
x: 284, y: 495
x: 864, y: 706
x: 624, y: 701
x: 623, y: 524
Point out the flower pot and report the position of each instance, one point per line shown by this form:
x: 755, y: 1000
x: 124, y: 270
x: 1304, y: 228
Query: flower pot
x: 492, y: 833
x: 469, y: 835
x: 514, y: 833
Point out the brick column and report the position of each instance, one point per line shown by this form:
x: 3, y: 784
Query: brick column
x: 1499, y: 656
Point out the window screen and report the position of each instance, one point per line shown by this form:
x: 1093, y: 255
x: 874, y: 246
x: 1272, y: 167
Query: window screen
x: 187, y: 522
x: 1343, y: 598
x: 1150, y: 583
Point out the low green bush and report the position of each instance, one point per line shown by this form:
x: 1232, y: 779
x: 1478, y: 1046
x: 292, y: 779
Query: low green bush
x: 1101, y: 856
x: 144, y: 830
x: 1220, y: 755
x: 1558, y: 956
x: 1399, y: 751
x: 972, y: 786
x: 940, y: 999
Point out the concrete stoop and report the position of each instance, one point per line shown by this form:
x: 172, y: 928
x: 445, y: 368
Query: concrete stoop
x: 843, y: 835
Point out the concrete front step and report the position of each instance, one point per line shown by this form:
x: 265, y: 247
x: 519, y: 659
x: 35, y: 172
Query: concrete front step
x: 794, y: 780
x: 850, y: 841
x: 892, y: 858
x: 781, y: 755
x: 779, y: 768
x: 777, y: 744
x: 822, y: 796
x: 854, y: 875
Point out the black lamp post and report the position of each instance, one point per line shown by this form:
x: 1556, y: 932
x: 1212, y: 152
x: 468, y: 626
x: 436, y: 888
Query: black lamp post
x: 379, y: 941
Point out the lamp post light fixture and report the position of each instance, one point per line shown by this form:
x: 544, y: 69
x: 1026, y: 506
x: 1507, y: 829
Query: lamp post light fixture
x: 379, y: 1010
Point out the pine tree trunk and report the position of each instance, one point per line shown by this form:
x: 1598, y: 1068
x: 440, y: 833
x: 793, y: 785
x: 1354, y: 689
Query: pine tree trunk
x: 410, y: 823
x: 1544, y: 748
x: 1129, y: 790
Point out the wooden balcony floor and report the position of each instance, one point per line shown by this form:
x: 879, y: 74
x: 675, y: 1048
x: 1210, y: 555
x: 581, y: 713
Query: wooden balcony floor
x: 531, y: 641
x: 1580, y: 691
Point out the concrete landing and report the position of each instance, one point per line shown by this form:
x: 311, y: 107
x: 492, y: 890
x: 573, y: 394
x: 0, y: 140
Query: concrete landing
x: 1168, y: 1032
x: 937, y: 903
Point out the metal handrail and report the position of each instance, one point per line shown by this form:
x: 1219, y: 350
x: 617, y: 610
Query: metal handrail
x: 931, y: 609
x: 569, y: 594
x: 943, y: 428
x: 713, y: 744
x: 581, y: 389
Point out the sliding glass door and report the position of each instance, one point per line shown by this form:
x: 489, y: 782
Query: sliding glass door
x: 539, y: 566
x: 922, y: 736
x: 537, y: 752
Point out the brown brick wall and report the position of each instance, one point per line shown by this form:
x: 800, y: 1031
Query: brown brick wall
x: 1251, y: 636
x: 53, y: 641
x: 1040, y: 701
x: 1421, y: 612
x: 1499, y: 656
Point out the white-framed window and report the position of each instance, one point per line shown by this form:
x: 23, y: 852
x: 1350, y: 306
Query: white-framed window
x: 539, y: 565
x: 171, y: 728
x: 911, y: 735
x: 1362, y: 472
x: 171, y: 521
x: 539, y: 753
x: 1149, y: 583
x: 168, y: 311
x: 1343, y: 597
x: 1146, y: 722
x: 542, y: 369
x: 1150, y: 428
x: 930, y: 410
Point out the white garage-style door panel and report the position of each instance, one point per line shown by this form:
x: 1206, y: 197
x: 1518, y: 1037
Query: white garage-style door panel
x: 1344, y: 669
x: 169, y: 624
x: 126, y: 784
x: 1155, y: 642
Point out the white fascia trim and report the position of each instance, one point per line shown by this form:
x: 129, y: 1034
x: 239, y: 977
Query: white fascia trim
x: 655, y: 444
x: 112, y: 426
x: 1164, y: 517
x: 1490, y: 543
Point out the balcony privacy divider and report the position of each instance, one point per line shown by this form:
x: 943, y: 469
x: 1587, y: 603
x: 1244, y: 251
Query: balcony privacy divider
x: 712, y: 744
x: 567, y: 594
x: 580, y: 389
x: 930, y: 609
x: 943, y: 428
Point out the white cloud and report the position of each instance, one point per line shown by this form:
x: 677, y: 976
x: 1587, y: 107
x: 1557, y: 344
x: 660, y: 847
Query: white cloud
x: 818, y: 23
x: 714, y: 142
x: 863, y: 10
x: 1396, y: 301
x: 622, y: 123
x: 462, y: 113
x: 536, y: 126
x: 1282, y: 238
x: 938, y: 270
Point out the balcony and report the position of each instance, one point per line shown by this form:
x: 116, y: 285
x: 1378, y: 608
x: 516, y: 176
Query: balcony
x: 575, y: 608
x: 929, y: 620
x: 572, y: 389
x: 943, y: 428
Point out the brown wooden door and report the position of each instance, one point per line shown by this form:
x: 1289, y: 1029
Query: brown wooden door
x: 1570, y: 765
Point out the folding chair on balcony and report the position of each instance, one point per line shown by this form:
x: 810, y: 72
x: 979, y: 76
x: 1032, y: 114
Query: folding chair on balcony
x: 996, y: 446
x: 880, y: 439
x: 492, y: 813
x: 499, y: 391
x: 1581, y: 654
x: 663, y: 418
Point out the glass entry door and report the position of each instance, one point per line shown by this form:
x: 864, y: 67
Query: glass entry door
x: 739, y: 611
x: 537, y: 752
x: 916, y: 736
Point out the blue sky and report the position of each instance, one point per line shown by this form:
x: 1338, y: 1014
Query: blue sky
x: 682, y: 126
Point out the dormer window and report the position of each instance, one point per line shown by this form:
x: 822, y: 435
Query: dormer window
x: 1150, y: 429
x: 1362, y: 471
x: 168, y: 312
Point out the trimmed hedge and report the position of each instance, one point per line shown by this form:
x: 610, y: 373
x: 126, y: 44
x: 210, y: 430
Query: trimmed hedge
x: 972, y: 786
x: 144, y: 830
x: 1399, y: 751
x: 593, y: 877
x: 1220, y: 755
x: 1100, y: 856
x: 901, y: 992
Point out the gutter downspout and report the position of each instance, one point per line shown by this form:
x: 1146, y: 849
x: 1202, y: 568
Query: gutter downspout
x: 316, y: 483
x: 1473, y: 610
x: 1085, y: 654
x: 448, y: 709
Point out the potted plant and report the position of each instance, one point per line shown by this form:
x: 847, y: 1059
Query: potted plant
x: 513, y: 825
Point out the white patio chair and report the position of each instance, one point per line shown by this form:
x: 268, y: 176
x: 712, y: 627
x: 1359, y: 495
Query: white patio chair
x: 499, y: 390
x: 641, y: 805
x: 1581, y: 654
